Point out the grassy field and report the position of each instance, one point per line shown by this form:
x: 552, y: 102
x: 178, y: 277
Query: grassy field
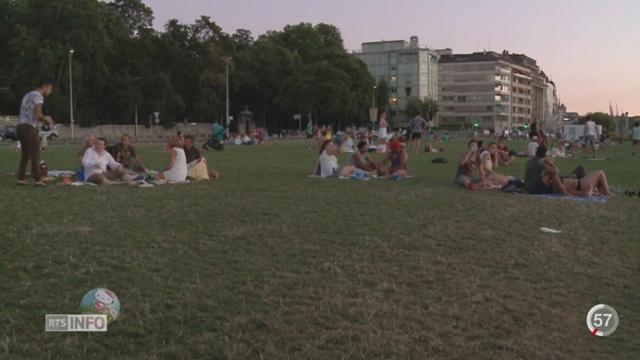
x: 269, y: 264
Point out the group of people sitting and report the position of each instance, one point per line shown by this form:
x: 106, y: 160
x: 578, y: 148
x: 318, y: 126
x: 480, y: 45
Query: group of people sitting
x: 477, y: 170
x: 260, y: 136
x: 360, y: 164
x: 102, y: 164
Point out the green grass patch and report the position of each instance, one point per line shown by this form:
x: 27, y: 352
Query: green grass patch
x: 269, y: 264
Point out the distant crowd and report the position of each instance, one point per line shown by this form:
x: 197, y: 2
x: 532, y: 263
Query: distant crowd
x: 476, y: 170
x: 102, y: 163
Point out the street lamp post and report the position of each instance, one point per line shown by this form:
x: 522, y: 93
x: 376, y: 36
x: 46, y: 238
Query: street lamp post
x: 71, y: 120
x: 227, y: 61
x: 373, y: 97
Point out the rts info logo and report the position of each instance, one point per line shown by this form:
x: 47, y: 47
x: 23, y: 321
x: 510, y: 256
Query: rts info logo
x: 76, y: 323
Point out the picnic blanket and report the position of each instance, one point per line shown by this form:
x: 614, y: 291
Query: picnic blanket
x: 592, y: 199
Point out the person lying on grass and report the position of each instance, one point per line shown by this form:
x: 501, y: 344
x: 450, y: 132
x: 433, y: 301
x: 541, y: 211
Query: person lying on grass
x: 327, y: 165
x: 196, y: 164
x: 489, y: 178
x: 466, y: 175
x: 428, y: 148
x: 176, y: 171
x: 543, y: 177
x: 361, y: 159
x: 397, y: 161
x: 99, y: 166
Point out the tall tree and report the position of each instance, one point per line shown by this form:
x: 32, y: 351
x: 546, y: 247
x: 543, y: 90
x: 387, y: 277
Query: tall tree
x: 137, y: 17
x: 319, y: 89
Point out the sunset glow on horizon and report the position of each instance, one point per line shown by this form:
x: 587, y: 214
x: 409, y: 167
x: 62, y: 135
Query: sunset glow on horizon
x: 589, y: 48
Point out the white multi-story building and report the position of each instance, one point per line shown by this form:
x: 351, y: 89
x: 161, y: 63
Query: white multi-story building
x: 408, y: 69
x: 494, y: 90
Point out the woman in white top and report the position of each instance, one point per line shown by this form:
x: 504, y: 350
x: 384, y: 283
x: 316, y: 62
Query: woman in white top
x: 383, y: 133
x: 327, y: 165
x: 177, y: 169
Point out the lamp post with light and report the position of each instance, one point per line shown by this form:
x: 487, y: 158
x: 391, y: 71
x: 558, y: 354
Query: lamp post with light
x: 71, y: 120
x: 227, y: 60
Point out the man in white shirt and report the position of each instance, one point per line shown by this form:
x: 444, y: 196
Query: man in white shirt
x: 591, y: 134
x: 95, y: 162
x: 636, y: 138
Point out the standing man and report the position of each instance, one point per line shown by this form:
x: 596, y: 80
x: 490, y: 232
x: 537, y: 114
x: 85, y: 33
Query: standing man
x: 27, y: 131
x: 417, y: 125
x: 591, y: 134
x: 636, y: 138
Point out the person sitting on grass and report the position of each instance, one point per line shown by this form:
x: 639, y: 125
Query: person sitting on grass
x: 327, y: 165
x: 543, y: 177
x: 176, y: 171
x: 196, y: 163
x: 247, y: 140
x: 361, y: 159
x: 88, y: 143
x: 126, y: 154
x: 99, y: 166
x: 347, y: 144
x: 262, y: 136
x: 467, y: 168
x: 489, y: 177
x: 559, y: 151
x: 397, y: 161
x: 532, y: 147
x: 504, y: 156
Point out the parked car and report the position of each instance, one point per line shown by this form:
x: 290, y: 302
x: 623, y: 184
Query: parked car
x: 8, y: 132
x: 49, y: 132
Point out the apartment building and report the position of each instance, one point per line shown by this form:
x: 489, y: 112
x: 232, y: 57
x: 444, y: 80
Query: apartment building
x: 494, y: 90
x: 409, y: 69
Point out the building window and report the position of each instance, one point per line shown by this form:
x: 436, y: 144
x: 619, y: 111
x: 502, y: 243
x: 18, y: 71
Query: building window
x: 408, y: 91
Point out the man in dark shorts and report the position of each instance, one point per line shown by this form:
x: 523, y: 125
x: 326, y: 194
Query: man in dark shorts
x: 27, y: 131
x: 417, y: 125
x: 541, y: 176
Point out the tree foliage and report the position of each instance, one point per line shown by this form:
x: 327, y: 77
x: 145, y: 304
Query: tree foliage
x: 121, y: 63
x: 604, y: 119
x: 427, y: 107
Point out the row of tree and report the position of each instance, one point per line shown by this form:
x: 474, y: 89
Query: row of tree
x: 120, y: 64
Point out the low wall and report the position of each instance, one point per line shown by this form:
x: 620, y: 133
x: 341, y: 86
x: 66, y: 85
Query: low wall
x: 8, y: 120
x: 141, y: 134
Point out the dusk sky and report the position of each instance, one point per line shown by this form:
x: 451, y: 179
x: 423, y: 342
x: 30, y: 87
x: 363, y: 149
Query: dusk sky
x: 590, y: 48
